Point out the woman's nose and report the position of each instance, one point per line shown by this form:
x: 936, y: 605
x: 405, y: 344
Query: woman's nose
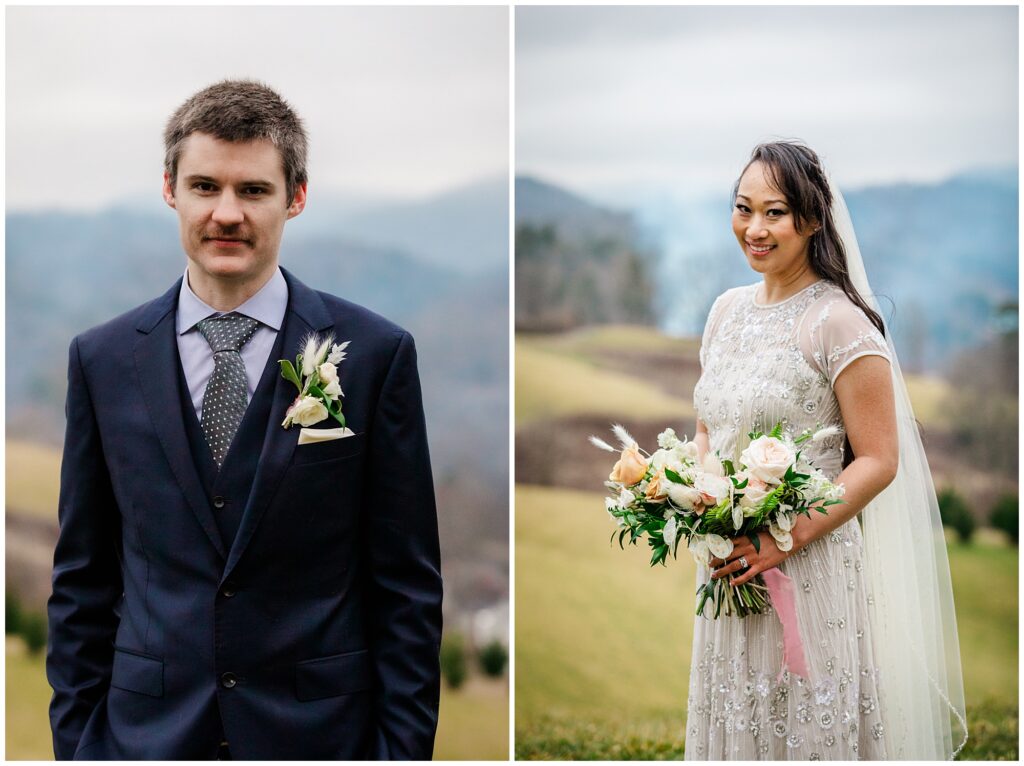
x: 756, y: 228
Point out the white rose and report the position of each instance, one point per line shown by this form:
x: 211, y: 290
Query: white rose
x: 328, y: 373
x: 713, y: 489
x: 768, y: 459
x: 660, y: 459
x: 306, y: 411
x: 332, y: 390
x: 684, y: 497
x: 626, y: 498
x: 755, y: 492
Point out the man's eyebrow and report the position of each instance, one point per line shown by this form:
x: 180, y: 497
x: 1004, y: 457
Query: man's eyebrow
x: 207, y: 179
x: 767, y: 201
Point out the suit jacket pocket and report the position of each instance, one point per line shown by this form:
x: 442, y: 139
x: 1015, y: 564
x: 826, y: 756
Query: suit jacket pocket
x: 136, y: 672
x: 336, y: 449
x: 333, y: 676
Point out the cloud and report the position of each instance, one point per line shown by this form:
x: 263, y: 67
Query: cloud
x: 677, y: 96
x: 398, y: 101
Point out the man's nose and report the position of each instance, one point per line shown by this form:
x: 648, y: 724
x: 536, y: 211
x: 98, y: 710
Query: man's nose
x: 228, y: 211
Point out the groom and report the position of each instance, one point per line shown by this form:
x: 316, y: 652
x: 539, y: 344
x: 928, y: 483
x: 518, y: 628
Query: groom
x: 223, y: 588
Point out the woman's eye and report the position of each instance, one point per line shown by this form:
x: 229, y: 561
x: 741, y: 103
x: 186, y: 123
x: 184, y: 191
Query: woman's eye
x: 742, y: 208
x: 775, y: 212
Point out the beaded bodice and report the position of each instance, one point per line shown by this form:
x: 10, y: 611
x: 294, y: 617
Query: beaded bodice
x: 768, y: 364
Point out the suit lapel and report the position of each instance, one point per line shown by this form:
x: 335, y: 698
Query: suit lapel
x: 156, y: 362
x: 306, y: 313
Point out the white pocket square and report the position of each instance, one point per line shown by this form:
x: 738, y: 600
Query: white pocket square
x: 314, y: 435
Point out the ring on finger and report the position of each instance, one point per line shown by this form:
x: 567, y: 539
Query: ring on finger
x: 743, y: 562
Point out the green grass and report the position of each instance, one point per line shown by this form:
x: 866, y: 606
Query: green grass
x: 583, y: 608
x: 473, y: 722
x: 28, y: 703
x: 552, y: 384
x: 585, y: 611
x: 33, y: 478
x: 607, y: 340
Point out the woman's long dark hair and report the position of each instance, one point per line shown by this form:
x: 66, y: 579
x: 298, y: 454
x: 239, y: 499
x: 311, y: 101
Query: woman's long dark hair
x: 796, y: 172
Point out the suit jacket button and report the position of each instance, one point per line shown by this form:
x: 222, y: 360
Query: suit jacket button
x: 218, y: 502
x: 228, y: 680
x: 228, y: 590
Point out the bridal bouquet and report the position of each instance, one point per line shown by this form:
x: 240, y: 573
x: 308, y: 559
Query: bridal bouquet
x: 671, y: 495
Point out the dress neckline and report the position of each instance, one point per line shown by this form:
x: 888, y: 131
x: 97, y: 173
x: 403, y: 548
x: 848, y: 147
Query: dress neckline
x: 784, y: 301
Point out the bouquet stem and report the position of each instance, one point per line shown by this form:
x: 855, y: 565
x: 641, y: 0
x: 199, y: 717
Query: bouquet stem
x: 732, y: 600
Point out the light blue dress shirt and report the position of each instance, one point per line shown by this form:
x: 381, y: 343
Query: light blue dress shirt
x: 267, y: 307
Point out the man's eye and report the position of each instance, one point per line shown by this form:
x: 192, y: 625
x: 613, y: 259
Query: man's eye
x: 203, y: 186
x: 255, y: 190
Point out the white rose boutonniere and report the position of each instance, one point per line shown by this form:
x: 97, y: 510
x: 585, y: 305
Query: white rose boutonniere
x: 319, y: 390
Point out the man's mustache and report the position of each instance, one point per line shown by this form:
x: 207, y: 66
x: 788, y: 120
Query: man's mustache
x: 229, y: 234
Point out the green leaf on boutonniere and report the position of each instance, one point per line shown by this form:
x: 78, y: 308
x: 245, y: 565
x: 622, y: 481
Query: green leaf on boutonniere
x: 289, y: 374
x: 333, y: 407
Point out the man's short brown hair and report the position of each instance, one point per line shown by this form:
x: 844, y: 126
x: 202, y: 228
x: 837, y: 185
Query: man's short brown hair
x: 240, y: 110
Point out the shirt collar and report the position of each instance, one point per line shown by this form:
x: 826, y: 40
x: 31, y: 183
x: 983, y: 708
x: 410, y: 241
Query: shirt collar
x: 267, y: 306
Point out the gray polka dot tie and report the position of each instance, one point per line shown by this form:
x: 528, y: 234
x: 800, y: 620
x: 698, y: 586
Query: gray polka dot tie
x: 227, y: 393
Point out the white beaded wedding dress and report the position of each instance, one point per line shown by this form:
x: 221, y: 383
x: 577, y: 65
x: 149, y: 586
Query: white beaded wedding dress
x: 762, y: 365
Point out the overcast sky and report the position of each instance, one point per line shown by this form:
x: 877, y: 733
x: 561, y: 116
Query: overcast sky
x: 616, y: 102
x: 397, y: 101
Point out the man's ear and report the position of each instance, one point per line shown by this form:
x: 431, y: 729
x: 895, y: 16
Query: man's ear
x: 168, y: 190
x: 298, y: 203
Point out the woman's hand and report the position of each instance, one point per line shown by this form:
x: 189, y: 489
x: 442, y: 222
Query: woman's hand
x: 757, y: 562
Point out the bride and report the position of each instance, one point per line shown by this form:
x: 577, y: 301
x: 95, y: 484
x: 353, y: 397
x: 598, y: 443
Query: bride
x: 807, y: 347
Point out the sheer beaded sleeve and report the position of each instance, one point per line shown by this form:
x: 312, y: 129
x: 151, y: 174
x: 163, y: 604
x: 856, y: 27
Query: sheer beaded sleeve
x: 835, y: 332
x: 714, y: 319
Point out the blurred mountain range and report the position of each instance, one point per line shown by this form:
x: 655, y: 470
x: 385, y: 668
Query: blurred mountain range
x: 577, y: 263
x: 67, y: 272
x: 941, y: 257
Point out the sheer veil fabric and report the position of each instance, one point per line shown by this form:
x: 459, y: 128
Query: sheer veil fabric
x: 910, y: 595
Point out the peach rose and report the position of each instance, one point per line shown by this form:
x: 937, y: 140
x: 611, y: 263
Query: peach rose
x: 630, y: 468
x: 657, y: 489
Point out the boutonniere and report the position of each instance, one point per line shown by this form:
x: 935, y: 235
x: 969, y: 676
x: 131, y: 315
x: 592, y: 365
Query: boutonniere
x: 319, y: 391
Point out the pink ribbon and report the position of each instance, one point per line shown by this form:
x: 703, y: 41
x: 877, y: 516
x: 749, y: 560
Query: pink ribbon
x: 780, y: 588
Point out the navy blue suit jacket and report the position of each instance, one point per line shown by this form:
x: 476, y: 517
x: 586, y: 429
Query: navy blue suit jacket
x: 314, y: 633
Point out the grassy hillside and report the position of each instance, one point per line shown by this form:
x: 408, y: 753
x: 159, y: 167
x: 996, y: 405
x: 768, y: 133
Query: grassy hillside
x: 548, y: 385
x: 583, y: 608
x: 33, y: 478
